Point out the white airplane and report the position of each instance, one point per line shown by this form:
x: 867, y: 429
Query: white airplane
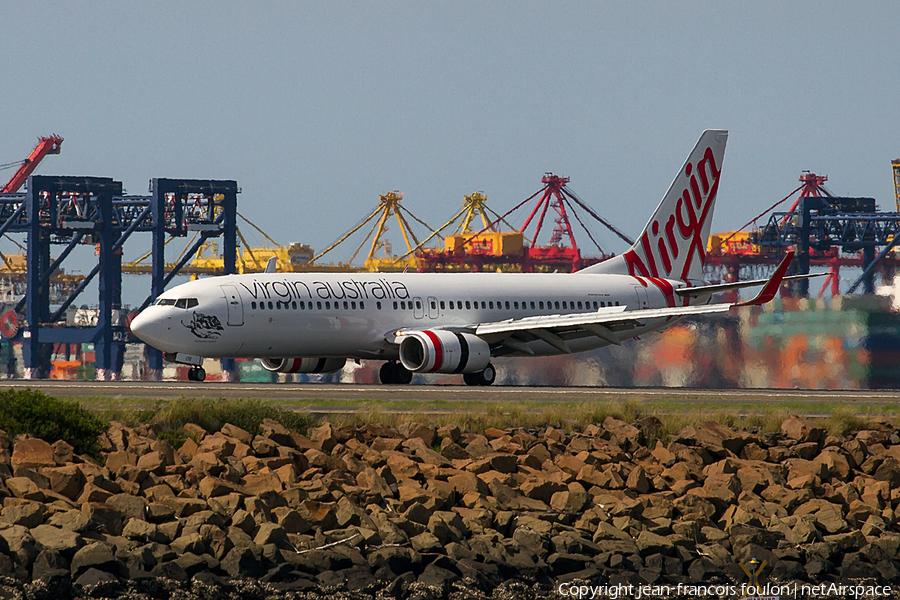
x: 456, y: 322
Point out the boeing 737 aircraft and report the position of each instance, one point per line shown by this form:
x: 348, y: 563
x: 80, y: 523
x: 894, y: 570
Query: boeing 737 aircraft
x: 456, y: 322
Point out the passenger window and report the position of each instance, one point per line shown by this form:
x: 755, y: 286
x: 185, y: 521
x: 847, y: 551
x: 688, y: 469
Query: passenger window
x: 418, y: 304
x: 507, y: 305
x: 353, y: 305
x: 270, y: 306
x: 467, y: 305
x: 541, y: 305
x: 362, y: 306
x: 346, y: 305
x: 491, y: 304
x: 483, y: 304
x: 579, y: 304
x: 253, y: 305
x: 516, y: 305
x: 278, y: 305
x: 433, y: 305
x: 564, y: 304
x: 395, y: 305
x: 617, y: 302
x: 319, y: 305
x: 327, y: 305
x: 532, y: 304
x: 557, y: 304
x: 378, y: 305
x: 451, y: 305
x: 302, y: 305
x: 442, y: 305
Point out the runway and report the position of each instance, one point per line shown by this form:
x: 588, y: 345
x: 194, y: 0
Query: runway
x: 343, y: 397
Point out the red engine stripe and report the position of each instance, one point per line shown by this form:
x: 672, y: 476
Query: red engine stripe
x: 438, y: 350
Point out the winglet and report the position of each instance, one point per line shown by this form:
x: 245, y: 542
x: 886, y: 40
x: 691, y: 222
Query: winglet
x: 771, y: 288
x: 272, y: 265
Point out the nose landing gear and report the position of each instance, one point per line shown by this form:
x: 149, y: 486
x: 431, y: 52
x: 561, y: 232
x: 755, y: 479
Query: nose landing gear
x: 197, y: 374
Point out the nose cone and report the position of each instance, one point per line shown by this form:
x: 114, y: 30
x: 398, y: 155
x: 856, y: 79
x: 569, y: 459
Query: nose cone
x: 149, y: 328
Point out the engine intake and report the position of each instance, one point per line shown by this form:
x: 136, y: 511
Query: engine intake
x: 303, y: 365
x: 441, y: 351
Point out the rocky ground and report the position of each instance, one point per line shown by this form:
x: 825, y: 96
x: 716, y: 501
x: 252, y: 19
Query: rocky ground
x: 420, y: 512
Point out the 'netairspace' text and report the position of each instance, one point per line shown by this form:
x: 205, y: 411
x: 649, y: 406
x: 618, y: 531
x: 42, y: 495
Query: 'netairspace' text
x: 613, y: 592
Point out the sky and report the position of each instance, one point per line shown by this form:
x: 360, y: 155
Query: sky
x: 316, y: 108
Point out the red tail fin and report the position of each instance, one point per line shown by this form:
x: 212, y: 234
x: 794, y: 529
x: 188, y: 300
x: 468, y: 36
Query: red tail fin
x: 771, y: 288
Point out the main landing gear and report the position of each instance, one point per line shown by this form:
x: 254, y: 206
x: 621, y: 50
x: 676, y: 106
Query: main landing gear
x: 395, y: 373
x: 392, y: 372
x: 486, y: 377
x: 197, y: 374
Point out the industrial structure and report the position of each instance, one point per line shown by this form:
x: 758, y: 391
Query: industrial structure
x: 519, y: 250
x: 825, y: 230
x: 45, y: 146
x: 380, y: 256
x: 68, y: 211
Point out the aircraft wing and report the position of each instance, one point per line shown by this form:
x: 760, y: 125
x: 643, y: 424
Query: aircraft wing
x: 606, y: 323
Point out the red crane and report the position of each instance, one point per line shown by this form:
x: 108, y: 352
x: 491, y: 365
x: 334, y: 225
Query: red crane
x: 46, y: 145
x: 557, y: 196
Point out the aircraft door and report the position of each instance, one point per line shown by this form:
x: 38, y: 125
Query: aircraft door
x: 642, y: 300
x: 433, y: 312
x: 235, y: 306
x: 418, y: 308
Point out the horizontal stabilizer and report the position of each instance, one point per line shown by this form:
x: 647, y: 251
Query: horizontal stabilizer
x: 725, y: 287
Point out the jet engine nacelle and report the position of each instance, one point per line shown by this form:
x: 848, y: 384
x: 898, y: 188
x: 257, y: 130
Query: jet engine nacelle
x: 441, y: 351
x: 303, y: 365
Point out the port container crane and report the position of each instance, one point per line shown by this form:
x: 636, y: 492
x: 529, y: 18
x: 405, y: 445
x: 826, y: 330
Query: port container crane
x: 46, y: 145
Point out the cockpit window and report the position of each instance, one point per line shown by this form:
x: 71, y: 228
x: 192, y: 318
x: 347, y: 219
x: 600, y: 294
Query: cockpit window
x: 179, y: 303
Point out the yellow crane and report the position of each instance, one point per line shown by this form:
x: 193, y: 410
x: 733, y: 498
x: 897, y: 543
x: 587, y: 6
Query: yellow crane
x: 488, y: 239
x: 251, y: 259
x: 381, y: 256
x: 895, y: 165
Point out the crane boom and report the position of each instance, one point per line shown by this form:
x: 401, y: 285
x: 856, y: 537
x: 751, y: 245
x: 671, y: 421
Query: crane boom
x: 46, y: 145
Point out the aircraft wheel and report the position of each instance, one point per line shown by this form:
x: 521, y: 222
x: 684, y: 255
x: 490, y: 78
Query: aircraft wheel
x: 470, y: 378
x: 486, y: 377
x: 386, y: 373
x: 197, y: 374
x: 402, y: 374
